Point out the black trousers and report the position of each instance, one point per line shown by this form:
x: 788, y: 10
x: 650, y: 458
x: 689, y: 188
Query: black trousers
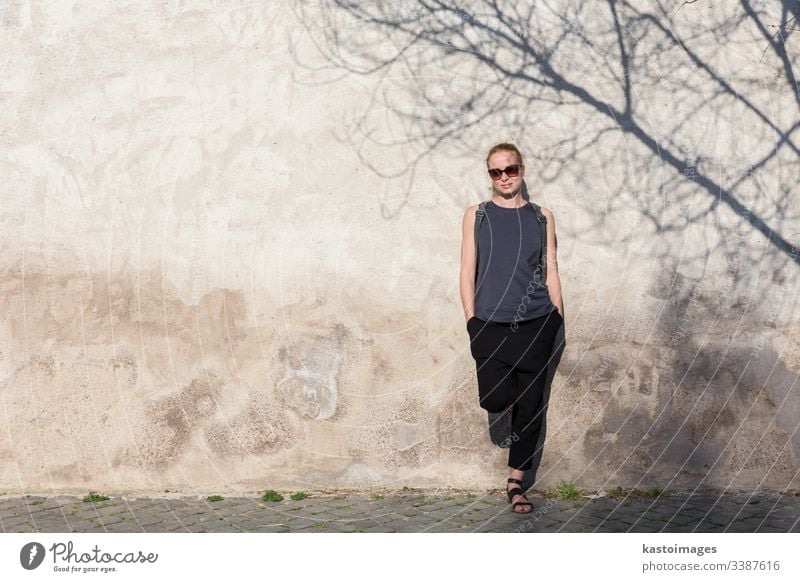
x: 512, y: 361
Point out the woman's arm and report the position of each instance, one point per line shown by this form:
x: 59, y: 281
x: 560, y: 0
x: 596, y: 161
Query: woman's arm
x: 468, y: 262
x: 553, y: 280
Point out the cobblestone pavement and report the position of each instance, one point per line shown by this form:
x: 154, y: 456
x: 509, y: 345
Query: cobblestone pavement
x: 404, y: 511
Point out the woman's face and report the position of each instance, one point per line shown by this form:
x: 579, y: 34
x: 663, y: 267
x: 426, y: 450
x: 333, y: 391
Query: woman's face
x: 506, y: 185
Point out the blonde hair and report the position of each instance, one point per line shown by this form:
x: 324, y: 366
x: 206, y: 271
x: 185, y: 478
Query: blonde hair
x: 505, y: 147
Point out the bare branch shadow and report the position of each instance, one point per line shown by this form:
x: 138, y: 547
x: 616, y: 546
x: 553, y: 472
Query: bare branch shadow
x: 658, y: 122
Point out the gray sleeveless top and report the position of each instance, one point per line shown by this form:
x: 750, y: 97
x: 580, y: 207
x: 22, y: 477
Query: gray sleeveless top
x: 509, y: 287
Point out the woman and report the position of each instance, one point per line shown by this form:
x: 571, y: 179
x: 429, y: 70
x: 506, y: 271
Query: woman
x: 512, y: 316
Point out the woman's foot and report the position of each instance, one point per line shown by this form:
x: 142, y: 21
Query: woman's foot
x: 516, y: 496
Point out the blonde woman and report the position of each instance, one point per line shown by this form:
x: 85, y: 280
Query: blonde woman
x: 512, y: 314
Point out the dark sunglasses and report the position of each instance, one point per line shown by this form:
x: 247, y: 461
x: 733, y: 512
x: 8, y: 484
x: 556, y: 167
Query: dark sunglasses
x: 510, y: 171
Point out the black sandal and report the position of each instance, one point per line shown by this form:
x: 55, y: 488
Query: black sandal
x: 517, y: 491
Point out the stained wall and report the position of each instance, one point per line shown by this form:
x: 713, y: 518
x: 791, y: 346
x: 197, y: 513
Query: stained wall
x: 207, y: 284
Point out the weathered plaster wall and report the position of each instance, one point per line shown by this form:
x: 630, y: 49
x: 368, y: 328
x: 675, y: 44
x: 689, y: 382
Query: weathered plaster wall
x: 205, y: 285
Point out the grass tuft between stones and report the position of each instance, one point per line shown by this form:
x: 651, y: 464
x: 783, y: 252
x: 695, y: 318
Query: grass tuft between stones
x: 566, y: 490
x: 272, y: 496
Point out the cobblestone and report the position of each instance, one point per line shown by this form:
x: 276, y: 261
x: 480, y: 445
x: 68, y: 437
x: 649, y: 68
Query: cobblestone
x: 404, y: 512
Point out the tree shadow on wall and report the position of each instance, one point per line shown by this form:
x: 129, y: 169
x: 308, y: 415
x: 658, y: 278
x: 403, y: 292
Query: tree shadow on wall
x: 674, y: 117
x: 633, y: 108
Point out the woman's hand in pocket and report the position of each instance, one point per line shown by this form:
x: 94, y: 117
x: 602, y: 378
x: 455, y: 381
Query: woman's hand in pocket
x: 470, y: 322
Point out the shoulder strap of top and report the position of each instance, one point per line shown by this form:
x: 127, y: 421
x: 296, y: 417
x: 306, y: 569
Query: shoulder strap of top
x: 543, y: 230
x: 480, y: 212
